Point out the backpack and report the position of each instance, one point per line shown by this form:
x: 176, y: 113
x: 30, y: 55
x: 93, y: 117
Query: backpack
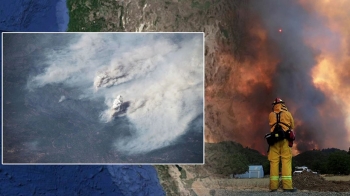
x: 278, y: 133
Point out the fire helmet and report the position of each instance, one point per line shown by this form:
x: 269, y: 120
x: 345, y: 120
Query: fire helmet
x: 277, y: 100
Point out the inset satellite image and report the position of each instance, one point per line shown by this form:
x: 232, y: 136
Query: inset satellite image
x: 103, y: 98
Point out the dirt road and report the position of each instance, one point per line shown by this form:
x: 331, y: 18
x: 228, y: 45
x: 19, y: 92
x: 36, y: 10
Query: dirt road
x: 203, y: 184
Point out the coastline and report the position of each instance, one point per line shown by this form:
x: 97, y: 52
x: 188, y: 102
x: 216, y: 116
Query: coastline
x: 24, y: 16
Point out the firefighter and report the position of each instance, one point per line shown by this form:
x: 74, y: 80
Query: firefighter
x: 281, y: 150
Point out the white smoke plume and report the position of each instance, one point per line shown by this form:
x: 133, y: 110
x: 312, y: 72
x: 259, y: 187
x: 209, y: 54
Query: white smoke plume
x: 159, y: 75
x: 62, y: 99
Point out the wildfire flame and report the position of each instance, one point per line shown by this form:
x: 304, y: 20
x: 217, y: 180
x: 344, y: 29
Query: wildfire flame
x: 332, y: 72
x: 308, y: 67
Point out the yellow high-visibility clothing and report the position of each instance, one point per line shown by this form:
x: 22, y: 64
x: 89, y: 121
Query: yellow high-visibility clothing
x: 285, y: 117
x: 281, y: 150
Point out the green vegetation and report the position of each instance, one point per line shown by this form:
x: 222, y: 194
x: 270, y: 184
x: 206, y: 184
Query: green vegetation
x: 206, y: 5
x: 142, y: 3
x: 190, y: 182
x: 227, y: 158
x: 327, y: 161
x: 183, y: 174
x: 75, y: 21
x: 167, y: 182
x: 224, y: 32
x: 95, y: 3
x: 339, y: 163
x: 95, y: 16
x: 200, y: 4
x: 182, y: 171
x: 156, y: 21
x: 195, y: 4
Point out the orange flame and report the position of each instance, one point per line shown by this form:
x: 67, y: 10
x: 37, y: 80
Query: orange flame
x: 228, y: 103
x: 233, y: 115
x: 332, y: 73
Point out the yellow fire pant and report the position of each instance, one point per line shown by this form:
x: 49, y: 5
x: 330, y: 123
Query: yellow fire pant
x: 282, y: 151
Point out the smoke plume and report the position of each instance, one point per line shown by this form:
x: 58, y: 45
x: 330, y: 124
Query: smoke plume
x: 296, y: 51
x: 160, y: 76
x: 320, y: 118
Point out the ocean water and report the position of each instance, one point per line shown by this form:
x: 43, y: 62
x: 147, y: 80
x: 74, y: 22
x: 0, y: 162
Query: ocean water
x: 38, y: 16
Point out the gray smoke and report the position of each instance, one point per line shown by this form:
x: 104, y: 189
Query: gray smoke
x: 292, y: 80
x: 159, y: 75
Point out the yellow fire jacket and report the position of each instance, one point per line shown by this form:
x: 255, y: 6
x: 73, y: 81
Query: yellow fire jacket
x: 285, y: 117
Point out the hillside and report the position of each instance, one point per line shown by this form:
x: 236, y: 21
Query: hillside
x: 326, y: 161
x: 221, y: 160
x: 227, y: 158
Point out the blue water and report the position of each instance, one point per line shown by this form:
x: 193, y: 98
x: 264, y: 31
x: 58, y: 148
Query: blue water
x: 52, y: 16
x: 33, y: 16
x: 56, y: 180
x: 79, y: 180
